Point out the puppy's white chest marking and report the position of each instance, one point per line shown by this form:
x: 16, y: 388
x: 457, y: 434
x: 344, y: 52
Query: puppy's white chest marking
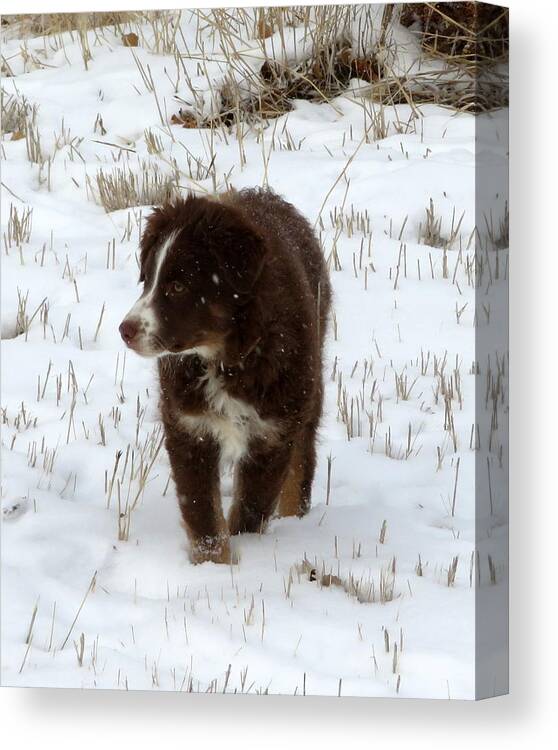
x: 230, y: 421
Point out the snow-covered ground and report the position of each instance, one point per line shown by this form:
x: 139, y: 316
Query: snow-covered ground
x: 83, y: 608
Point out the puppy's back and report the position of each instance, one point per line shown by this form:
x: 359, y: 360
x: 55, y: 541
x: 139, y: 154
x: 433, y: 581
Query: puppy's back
x: 288, y: 234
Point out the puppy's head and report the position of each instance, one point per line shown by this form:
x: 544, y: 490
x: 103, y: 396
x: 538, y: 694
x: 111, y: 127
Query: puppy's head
x: 199, y: 263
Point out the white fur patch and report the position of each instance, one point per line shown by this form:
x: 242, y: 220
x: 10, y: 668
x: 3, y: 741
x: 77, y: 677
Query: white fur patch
x: 143, y: 312
x: 230, y: 421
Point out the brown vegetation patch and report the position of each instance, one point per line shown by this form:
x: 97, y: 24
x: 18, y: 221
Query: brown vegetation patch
x: 467, y: 32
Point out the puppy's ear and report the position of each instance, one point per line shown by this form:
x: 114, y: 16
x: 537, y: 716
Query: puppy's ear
x: 240, y: 252
x: 155, y: 225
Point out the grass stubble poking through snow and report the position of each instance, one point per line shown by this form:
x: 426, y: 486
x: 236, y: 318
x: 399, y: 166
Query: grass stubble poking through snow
x: 373, y: 592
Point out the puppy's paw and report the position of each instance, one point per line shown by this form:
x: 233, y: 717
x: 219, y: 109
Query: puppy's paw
x: 212, y: 549
x: 242, y: 522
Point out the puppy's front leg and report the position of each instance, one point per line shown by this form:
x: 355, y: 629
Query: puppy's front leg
x: 258, y: 482
x: 195, y: 468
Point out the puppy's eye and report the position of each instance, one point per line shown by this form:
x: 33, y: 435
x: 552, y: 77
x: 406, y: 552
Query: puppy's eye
x: 176, y: 287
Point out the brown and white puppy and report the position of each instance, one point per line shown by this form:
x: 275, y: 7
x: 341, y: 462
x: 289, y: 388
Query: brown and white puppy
x: 234, y: 305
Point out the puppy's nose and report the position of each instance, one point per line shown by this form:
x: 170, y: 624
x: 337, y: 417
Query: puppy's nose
x: 128, y: 330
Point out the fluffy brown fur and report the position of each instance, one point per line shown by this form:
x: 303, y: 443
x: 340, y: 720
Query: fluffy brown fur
x: 235, y: 307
